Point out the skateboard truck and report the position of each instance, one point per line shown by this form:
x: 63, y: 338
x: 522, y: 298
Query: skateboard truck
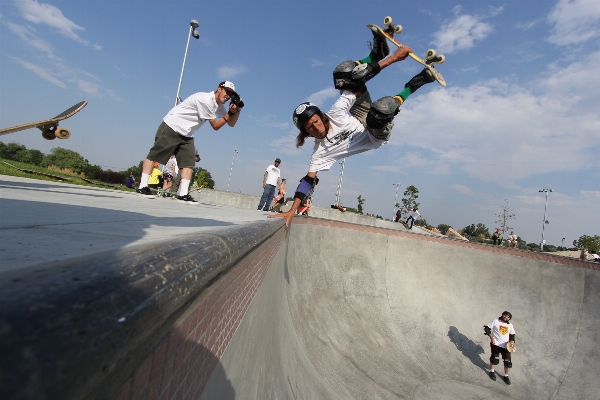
x: 391, y: 28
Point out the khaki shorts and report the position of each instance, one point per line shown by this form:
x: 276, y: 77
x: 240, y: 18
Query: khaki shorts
x: 168, y: 142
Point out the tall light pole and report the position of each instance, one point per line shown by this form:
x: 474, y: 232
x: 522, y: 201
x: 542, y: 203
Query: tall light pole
x: 338, y: 193
x: 193, y: 32
x: 395, y: 199
x: 545, y: 220
x: 231, y: 170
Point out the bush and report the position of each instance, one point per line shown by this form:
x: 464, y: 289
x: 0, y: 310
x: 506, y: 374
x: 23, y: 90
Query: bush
x: 18, y: 152
x: 443, y: 228
x: 591, y: 243
x: 64, y: 158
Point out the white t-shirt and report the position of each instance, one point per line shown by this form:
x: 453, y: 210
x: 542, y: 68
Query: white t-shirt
x: 189, y: 115
x: 415, y: 215
x: 500, y: 332
x: 171, y: 166
x: 273, y: 175
x: 346, y: 137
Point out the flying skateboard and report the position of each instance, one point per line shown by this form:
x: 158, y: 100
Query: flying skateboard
x: 430, y: 57
x: 49, y: 127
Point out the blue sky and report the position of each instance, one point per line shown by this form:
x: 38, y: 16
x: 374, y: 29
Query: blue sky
x: 520, y: 112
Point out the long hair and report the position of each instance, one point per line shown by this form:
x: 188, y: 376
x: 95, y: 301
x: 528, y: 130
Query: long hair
x: 304, y: 134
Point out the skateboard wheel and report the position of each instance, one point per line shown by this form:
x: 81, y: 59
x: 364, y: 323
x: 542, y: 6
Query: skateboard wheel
x: 398, y: 29
x: 62, y: 133
x: 387, y: 21
x: 430, y: 54
x: 441, y: 59
x: 48, y: 134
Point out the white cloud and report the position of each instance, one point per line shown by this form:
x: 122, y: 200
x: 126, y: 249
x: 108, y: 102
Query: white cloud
x: 88, y: 87
x: 230, y: 72
x: 502, y: 132
x: 575, y: 21
x: 319, y: 97
x: 316, y: 63
x: 462, y: 189
x: 27, y: 35
x: 41, y: 72
x: 43, y: 13
x: 461, y: 33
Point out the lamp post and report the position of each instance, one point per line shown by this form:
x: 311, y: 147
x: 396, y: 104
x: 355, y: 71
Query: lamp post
x: 395, y: 199
x: 338, y: 193
x: 545, y: 220
x: 193, y: 32
x: 231, y: 170
x: 562, y: 244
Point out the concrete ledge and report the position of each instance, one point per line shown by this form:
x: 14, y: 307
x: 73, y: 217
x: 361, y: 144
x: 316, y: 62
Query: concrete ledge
x: 73, y: 329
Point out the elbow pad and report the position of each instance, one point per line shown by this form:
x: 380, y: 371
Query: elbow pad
x: 511, y: 338
x: 486, y: 330
x: 305, y: 187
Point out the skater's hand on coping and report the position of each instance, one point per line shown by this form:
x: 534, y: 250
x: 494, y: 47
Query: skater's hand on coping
x: 287, y: 215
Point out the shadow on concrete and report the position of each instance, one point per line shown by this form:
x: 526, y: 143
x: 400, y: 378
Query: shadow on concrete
x: 470, y: 349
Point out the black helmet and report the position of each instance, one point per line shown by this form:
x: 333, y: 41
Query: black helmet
x: 507, y: 313
x: 303, y: 112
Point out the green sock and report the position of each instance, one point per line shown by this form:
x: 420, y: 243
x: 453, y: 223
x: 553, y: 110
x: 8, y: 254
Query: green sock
x: 404, y: 94
x: 367, y: 59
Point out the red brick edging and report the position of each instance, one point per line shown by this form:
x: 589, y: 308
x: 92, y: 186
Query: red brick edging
x: 183, y: 362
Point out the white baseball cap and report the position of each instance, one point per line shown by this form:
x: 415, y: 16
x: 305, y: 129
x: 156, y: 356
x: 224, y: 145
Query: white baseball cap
x: 228, y: 85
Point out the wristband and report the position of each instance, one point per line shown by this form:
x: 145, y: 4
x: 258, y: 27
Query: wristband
x: 230, y: 113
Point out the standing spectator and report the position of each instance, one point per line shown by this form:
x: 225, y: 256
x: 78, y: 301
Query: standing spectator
x: 170, y: 171
x: 398, y: 216
x: 412, y: 217
x: 270, y: 181
x: 512, y: 240
x: 130, y: 182
x: 500, y: 238
x: 279, y: 200
x: 175, y: 135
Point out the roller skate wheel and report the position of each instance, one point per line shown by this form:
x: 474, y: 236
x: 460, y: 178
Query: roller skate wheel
x: 398, y: 29
x: 430, y: 54
x: 387, y: 21
x: 441, y: 59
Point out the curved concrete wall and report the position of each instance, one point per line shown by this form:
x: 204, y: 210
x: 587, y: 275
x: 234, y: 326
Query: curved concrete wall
x: 350, y: 312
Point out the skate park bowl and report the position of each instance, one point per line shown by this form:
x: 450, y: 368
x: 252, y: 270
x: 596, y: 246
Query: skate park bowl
x: 319, y: 310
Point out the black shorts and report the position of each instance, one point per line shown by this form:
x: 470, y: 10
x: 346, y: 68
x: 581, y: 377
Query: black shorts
x: 168, y: 142
x: 499, y: 350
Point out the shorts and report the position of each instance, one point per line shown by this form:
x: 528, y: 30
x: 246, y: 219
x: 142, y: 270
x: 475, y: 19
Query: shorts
x: 168, y: 142
x: 360, y: 110
x: 500, y: 350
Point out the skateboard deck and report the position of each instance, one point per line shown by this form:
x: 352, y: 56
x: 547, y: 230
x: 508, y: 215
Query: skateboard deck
x: 338, y: 207
x: 510, y: 346
x: 49, y: 127
x: 431, y: 55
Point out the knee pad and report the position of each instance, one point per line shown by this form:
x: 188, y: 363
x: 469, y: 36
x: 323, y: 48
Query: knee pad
x: 507, y: 363
x: 380, y: 115
x: 342, y: 76
x: 364, y: 72
x: 494, y: 360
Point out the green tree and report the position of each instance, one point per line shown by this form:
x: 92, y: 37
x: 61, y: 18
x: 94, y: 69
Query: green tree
x: 136, y: 171
x: 590, y: 243
x: 361, y: 201
x: 18, y: 152
x: 443, y: 228
x: 409, y: 201
x: 479, y: 230
x: 64, y: 158
x: 204, y: 179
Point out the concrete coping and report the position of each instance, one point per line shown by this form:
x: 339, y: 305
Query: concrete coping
x: 67, y: 327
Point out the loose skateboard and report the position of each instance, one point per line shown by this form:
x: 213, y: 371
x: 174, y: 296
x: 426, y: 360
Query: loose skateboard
x: 338, y: 207
x: 510, y: 346
x: 430, y: 57
x: 49, y: 127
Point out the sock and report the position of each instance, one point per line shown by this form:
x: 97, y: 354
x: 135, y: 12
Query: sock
x: 144, y: 180
x: 492, y: 370
x: 403, y: 94
x: 184, y: 187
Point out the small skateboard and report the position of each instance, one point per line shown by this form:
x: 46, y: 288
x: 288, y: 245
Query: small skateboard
x: 337, y: 207
x: 49, y: 127
x: 510, y: 346
x: 430, y: 57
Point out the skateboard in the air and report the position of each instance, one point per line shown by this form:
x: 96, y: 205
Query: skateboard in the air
x: 49, y: 127
x: 430, y: 57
